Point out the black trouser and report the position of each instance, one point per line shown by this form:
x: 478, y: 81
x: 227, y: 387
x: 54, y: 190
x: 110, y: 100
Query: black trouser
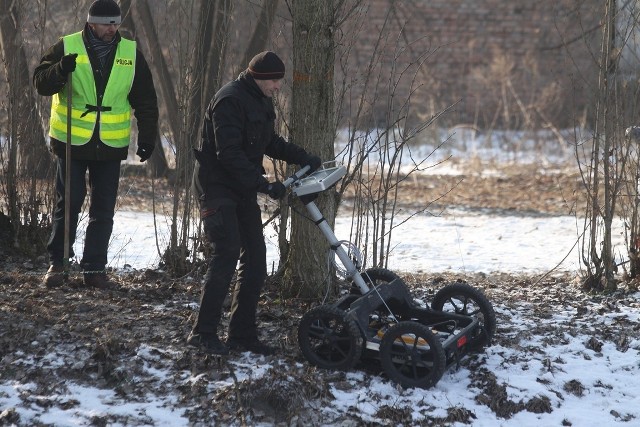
x: 103, y: 181
x: 235, y: 232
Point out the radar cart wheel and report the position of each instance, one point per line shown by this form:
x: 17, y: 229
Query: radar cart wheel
x: 330, y: 339
x: 411, y: 355
x: 464, y: 299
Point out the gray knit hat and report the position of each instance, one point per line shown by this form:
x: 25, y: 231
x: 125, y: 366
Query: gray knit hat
x: 104, y: 12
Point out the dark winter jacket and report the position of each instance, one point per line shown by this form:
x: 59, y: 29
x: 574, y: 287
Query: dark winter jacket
x: 49, y: 80
x: 238, y: 131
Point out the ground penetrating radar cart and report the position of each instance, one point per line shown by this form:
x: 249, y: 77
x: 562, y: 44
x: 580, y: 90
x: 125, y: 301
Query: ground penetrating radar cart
x: 379, y: 319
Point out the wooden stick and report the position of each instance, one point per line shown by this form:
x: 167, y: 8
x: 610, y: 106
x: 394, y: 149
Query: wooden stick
x: 67, y: 179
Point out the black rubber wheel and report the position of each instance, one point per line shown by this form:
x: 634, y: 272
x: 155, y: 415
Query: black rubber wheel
x: 373, y: 277
x: 461, y: 298
x: 377, y: 276
x: 411, y: 355
x: 330, y: 339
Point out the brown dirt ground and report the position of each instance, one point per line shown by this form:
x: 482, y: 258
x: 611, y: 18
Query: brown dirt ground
x: 528, y: 189
x: 103, y: 330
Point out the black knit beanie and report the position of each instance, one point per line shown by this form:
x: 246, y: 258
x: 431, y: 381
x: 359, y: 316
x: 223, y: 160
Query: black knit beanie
x: 266, y: 66
x: 104, y: 12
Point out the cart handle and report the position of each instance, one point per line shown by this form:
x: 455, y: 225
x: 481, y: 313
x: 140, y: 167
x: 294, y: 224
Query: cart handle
x: 296, y: 176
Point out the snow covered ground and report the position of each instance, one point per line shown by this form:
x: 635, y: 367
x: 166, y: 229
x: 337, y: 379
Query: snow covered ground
x: 559, y: 358
x: 570, y: 361
x: 454, y: 241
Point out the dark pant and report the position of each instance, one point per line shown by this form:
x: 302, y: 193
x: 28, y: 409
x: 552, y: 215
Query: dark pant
x: 235, y: 232
x: 103, y: 181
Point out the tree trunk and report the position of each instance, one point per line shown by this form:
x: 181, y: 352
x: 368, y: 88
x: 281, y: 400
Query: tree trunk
x: 23, y: 111
x: 312, y: 127
x: 28, y: 159
x: 260, y: 35
x: 215, y: 61
x: 609, y: 65
x: 600, y: 263
x: 157, y: 165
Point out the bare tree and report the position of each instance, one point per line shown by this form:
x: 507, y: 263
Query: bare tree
x: 380, y: 153
x: 602, y: 207
x: 217, y: 54
x: 374, y: 158
x: 612, y: 189
x: 157, y: 164
x: 159, y: 65
x: 312, y: 127
x: 260, y: 34
x: 25, y: 156
x: 199, y: 78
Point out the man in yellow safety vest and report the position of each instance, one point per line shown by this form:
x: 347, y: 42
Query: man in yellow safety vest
x: 110, y: 79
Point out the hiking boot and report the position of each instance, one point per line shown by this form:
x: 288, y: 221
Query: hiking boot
x: 54, y: 277
x: 209, y: 343
x: 254, y: 345
x: 98, y: 280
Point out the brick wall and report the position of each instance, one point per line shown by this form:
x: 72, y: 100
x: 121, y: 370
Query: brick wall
x: 501, y: 62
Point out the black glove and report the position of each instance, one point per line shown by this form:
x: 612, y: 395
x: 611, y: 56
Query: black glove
x: 275, y: 190
x: 68, y: 63
x: 313, y: 162
x: 144, y: 151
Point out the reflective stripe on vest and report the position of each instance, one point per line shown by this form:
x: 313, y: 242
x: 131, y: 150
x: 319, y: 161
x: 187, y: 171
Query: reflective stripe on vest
x: 114, y: 110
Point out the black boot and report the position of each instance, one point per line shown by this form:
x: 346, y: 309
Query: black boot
x: 98, y: 280
x: 209, y: 343
x: 54, y: 277
x: 254, y: 345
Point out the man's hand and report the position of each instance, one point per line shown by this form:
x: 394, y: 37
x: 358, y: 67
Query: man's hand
x: 313, y: 162
x: 144, y: 151
x: 275, y: 190
x: 68, y: 63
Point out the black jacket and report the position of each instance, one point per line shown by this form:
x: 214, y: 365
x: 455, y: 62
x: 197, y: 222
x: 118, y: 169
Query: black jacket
x: 49, y: 80
x: 238, y: 132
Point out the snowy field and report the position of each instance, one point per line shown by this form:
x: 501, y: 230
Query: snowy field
x: 454, y: 241
x: 563, y: 358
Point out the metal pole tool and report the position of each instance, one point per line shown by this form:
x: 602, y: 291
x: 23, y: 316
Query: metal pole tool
x: 67, y: 180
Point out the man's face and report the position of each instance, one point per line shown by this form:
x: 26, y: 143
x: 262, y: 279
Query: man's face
x: 105, y: 32
x: 269, y: 87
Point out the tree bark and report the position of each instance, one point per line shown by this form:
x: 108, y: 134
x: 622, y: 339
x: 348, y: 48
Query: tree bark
x: 260, y: 35
x: 28, y: 159
x: 313, y: 128
x: 601, y: 260
x: 157, y: 165
x: 216, y: 56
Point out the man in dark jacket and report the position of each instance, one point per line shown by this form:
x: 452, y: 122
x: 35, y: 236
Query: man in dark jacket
x: 238, y: 131
x: 109, y: 77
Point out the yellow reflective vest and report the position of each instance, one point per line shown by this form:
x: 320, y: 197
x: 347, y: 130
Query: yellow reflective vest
x: 112, y: 112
